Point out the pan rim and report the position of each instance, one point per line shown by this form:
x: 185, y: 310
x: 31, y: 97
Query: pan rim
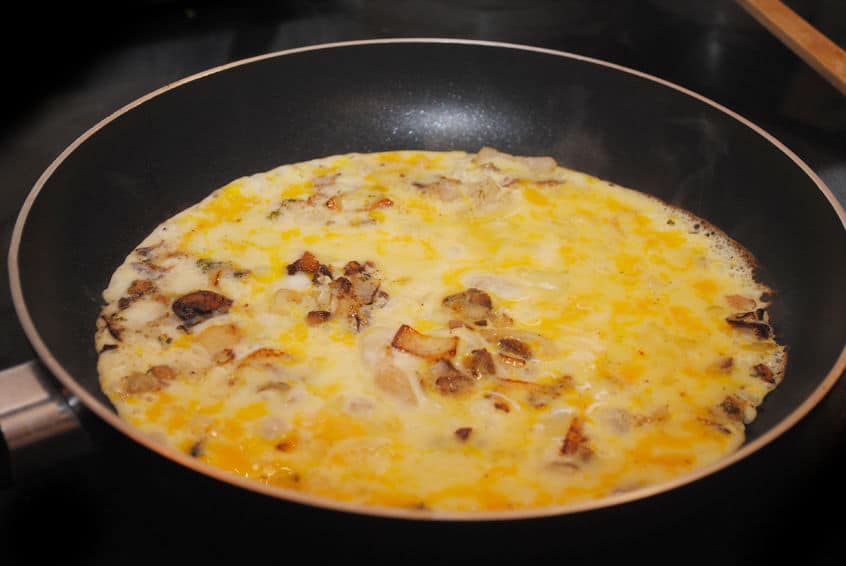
x: 101, y: 410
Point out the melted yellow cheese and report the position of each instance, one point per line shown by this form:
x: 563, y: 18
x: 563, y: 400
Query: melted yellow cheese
x: 630, y: 372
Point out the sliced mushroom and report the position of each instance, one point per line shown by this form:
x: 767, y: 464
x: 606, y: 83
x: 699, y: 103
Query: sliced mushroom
x: 472, y: 304
x: 575, y: 442
x: 724, y: 364
x: 353, y: 267
x: 480, y: 363
x: 279, y: 386
x: 422, y: 345
x: 307, y: 263
x: 733, y: 407
x: 515, y: 347
x: 449, y: 380
x: 740, y: 302
x: 444, y: 188
x: 147, y: 250
x: 537, y: 395
x: 763, y: 372
x: 141, y: 287
x: 137, y: 382
x: 500, y: 402
x: 512, y: 361
x: 341, y: 287
x: 207, y: 265
x: 162, y: 372
x: 313, y: 318
x: 753, y: 321
x: 148, y: 269
x: 264, y: 355
x: 365, y: 287
x: 199, y: 306
x: 112, y: 326
x: 223, y: 357
x: 463, y: 433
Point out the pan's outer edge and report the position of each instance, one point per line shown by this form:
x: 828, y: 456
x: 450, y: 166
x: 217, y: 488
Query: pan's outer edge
x: 291, y: 495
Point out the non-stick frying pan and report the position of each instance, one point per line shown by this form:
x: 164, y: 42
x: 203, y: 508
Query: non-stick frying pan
x: 169, y: 149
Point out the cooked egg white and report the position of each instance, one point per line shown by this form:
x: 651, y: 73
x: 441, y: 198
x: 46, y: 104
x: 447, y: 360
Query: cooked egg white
x: 439, y: 330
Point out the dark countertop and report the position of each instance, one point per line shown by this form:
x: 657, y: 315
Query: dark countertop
x: 122, y: 504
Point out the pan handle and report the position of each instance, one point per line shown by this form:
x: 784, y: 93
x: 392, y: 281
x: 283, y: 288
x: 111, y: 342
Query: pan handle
x: 39, y: 424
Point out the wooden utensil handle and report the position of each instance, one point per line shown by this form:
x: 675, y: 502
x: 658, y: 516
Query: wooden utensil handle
x: 803, y: 39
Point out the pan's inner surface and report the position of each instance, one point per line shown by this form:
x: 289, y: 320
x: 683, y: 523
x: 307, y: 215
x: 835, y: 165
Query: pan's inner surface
x: 174, y: 149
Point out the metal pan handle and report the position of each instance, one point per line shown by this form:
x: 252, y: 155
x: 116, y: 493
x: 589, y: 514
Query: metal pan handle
x: 39, y: 423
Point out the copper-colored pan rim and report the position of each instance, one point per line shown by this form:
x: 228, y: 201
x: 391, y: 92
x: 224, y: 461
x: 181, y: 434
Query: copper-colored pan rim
x: 112, y: 418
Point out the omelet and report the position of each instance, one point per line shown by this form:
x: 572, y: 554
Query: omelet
x: 440, y: 331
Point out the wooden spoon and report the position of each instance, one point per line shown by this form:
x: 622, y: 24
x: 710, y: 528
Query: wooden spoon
x: 813, y: 47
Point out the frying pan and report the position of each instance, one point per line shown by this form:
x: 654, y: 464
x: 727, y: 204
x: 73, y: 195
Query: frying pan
x: 169, y: 149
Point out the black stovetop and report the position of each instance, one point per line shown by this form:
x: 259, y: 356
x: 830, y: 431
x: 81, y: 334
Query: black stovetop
x: 71, y: 66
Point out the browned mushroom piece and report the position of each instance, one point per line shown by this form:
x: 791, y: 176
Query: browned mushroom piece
x: 137, y: 382
x: 444, y: 188
x: 480, y: 363
x: 537, y: 395
x: 223, y: 356
x: 724, y: 364
x: 463, y: 433
x: 341, y: 287
x: 763, y: 372
x: 322, y: 271
x: 733, y: 407
x: 515, y: 347
x: 740, y: 302
x: 353, y: 267
x: 314, y: 318
x: 148, y: 269
x: 113, y: 327
x: 147, y: 250
x: 307, y: 263
x: 499, y: 403
x: 422, y: 345
x: 752, y: 320
x: 472, y: 304
x: 512, y: 361
x: 140, y: 287
x: 365, y: 287
x: 199, y: 306
x: 162, y: 372
x: 278, y: 386
x: 449, y: 380
x: 575, y: 442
